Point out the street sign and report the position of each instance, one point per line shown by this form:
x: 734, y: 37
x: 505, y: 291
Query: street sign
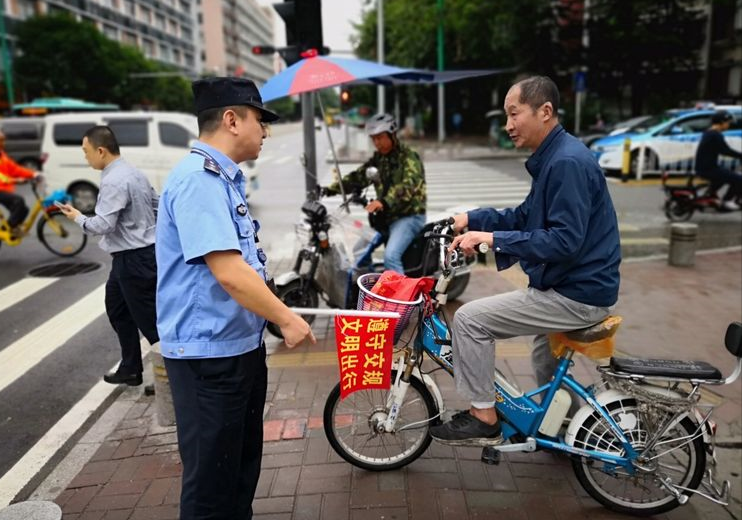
x: 579, y: 80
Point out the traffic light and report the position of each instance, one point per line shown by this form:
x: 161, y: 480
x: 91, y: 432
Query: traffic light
x: 303, y: 19
x: 263, y: 49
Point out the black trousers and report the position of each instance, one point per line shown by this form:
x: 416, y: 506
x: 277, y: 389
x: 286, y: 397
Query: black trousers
x: 130, y: 303
x: 219, y: 412
x: 721, y: 176
x: 16, y: 206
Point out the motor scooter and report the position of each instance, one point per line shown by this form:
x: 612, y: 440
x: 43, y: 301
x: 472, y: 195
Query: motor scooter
x: 682, y: 201
x: 335, y: 251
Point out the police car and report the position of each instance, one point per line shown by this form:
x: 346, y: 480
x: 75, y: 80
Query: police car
x: 669, y: 144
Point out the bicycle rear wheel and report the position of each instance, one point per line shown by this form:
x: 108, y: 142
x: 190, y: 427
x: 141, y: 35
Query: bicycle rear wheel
x: 350, y: 426
x: 679, y: 455
x: 60, y: 235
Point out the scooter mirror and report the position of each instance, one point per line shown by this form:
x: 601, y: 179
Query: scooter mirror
x: 372, y: 173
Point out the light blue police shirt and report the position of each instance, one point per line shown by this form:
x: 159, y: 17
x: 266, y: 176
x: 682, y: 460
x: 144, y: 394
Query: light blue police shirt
x: 199, y: 213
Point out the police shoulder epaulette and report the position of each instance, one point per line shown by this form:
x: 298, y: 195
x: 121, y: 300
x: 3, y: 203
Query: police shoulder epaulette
x: 211, y: 166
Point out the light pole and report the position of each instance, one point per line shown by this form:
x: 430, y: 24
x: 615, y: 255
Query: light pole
x: 441, y: 90
x: 7, y: 64
x: 381, y: 102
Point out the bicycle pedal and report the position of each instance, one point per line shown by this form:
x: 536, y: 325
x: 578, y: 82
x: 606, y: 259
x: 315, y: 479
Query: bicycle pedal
x: 490, y: 456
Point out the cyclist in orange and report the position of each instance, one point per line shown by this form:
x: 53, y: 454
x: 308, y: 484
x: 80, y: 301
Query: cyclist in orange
x: 10, y: 172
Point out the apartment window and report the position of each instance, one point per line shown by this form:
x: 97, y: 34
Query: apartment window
x: 148, y: 47
x: 185, y: 6
x: 174, y: 27
x: 160, y: 22
x: 26, y: 9
x: 189, y: 60
x: 111, y: 32
x: 165, y: 52
x: 129, y: 38
x: 176, y: 56
x: 145, y: 14
x: 130, y: 8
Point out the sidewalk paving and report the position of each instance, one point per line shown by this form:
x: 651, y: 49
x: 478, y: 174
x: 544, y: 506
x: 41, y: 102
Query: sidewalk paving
x: 668, y: 312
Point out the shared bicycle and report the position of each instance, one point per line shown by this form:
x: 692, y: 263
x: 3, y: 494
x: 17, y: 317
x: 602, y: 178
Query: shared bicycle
x: 58, y: 234
x: 642, y: 443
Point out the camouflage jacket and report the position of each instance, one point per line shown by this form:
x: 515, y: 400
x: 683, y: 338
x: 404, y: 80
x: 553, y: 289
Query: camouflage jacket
x: 401, y: 184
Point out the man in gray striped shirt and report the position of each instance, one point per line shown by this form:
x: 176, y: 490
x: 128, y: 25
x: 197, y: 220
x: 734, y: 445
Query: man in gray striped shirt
x: 125, y: 220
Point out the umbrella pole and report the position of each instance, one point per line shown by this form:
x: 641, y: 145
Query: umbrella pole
x: 332, y: 149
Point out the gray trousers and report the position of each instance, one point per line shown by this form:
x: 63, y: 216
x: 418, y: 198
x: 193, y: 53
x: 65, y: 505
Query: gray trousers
x: 477, y: 324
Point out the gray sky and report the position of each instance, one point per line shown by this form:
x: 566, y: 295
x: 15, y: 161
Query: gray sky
x: 337, y: 16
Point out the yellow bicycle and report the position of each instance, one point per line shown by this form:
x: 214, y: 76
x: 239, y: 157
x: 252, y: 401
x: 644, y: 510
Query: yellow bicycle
x: 58, y: 234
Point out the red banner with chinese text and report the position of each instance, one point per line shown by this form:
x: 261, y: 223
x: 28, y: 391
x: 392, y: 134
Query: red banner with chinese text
x: 364, y: 348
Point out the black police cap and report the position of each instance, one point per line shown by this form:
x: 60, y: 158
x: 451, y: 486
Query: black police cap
x: 217, y: 92
x: 720, y: 116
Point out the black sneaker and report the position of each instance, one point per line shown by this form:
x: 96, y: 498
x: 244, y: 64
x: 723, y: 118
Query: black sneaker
x: 466, y: 430
x: 117, y: 378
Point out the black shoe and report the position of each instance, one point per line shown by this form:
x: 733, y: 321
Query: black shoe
x: 117, y: 378
x: 466, y: 430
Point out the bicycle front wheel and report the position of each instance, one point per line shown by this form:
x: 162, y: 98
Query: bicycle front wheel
x: 352, y: 426
x: 60, y: 235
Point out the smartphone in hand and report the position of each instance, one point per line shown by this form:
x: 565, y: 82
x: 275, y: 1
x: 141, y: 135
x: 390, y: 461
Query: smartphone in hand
x: 58, y: 204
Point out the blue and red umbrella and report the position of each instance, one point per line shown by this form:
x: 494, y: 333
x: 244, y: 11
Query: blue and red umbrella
x: 320, y: 72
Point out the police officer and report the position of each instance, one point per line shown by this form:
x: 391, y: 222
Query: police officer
x: 213, y: 303
x: 400, y: 188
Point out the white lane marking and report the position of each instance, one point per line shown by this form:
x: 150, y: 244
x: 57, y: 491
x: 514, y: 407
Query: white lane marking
x: 26, y: 352
x: 22, y: 289
x: 45, y: 448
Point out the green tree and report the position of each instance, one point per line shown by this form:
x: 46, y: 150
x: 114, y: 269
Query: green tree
x: 74, y: 59
x: 644, y: 49
x: 650, y: 47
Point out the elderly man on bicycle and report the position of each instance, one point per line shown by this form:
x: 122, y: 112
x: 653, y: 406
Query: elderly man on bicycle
x: 565, y: 236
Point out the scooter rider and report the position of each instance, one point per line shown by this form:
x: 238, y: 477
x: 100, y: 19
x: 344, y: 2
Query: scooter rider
x: 398, y: 212
x: 707, y: 156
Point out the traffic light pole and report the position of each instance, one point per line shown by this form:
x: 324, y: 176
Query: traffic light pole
x: 310, y: 151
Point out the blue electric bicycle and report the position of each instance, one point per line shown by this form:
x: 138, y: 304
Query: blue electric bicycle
x: 642, y: 443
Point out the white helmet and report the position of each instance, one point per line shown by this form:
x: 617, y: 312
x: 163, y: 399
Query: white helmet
x: 381, y: 123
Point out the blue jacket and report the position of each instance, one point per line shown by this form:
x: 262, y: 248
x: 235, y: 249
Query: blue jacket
x: 565, y: 234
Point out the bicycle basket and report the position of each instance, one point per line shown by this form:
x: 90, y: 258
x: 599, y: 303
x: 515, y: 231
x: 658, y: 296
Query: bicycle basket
x: 368, y: 301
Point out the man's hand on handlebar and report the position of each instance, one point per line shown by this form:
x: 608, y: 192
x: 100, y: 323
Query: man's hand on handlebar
x: 469, y: 241
x: 374, y: 206
x: 460, y: 222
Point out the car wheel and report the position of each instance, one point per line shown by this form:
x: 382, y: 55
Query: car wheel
x: 651, y: 163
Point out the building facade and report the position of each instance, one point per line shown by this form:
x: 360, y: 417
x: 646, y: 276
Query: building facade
x: 164, y: 30
x: 229, y: 30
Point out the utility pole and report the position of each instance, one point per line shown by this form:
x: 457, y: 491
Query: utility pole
x: 441, y: 90
x: 381, y: 102
x: 580, y: 76
x: 7, y: 63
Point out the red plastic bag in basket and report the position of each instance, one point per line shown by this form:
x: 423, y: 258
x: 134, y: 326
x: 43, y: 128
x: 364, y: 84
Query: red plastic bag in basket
x: 399, y: 287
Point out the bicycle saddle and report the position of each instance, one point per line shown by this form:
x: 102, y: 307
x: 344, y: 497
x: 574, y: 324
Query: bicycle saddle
x: 674, y: 368
x: 595, y: 342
